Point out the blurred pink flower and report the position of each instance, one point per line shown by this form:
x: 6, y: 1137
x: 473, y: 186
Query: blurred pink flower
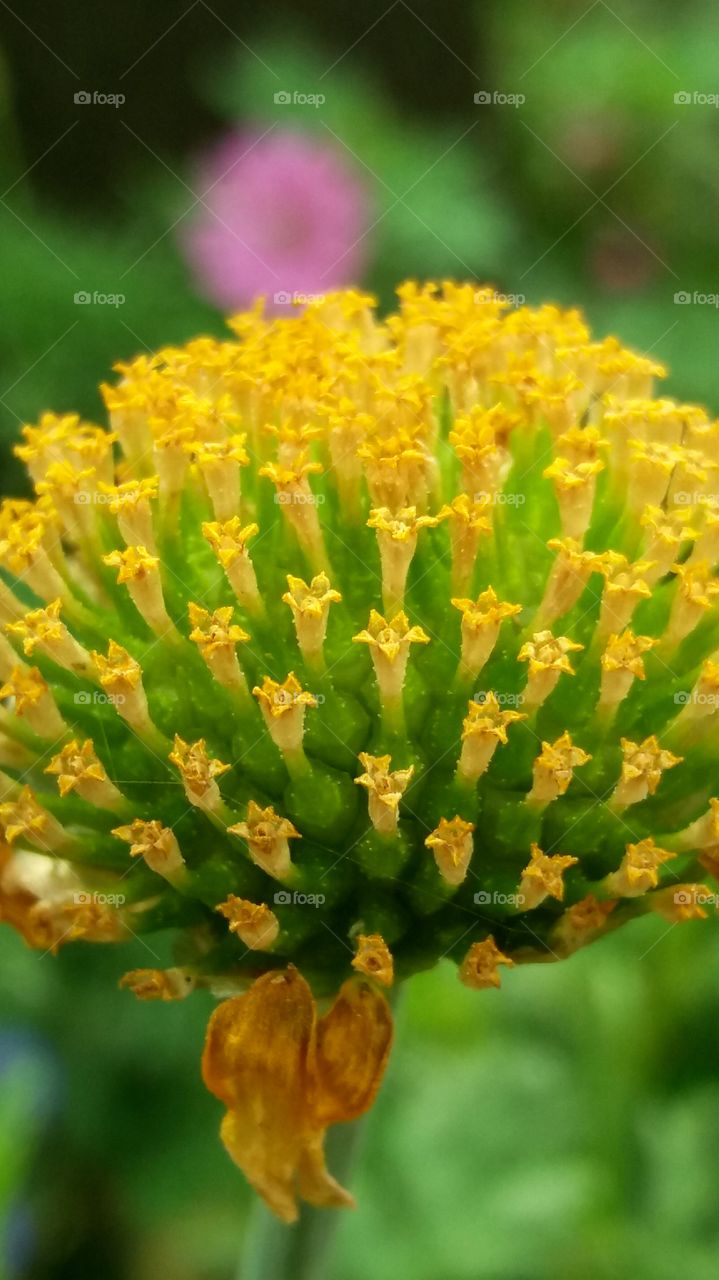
x: 283, y: 214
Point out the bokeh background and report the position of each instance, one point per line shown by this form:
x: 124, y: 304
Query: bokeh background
x: 153, y: 174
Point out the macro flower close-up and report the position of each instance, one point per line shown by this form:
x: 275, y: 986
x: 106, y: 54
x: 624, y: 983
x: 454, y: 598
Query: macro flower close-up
x: 352, y: 645
x: 359, y: 641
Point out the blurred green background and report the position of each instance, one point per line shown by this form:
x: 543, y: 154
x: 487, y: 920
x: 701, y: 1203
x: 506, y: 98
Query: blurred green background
x: 566, y: 1126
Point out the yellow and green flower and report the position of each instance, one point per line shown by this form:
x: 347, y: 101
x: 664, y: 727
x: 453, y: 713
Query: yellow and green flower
x: 354, y: 645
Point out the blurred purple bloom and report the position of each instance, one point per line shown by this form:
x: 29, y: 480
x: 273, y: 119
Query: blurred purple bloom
x: 284, y: 214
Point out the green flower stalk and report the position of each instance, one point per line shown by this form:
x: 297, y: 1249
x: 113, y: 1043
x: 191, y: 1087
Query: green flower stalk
x: 354, y: 645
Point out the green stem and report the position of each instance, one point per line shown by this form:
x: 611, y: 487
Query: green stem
x: 274, y: 1251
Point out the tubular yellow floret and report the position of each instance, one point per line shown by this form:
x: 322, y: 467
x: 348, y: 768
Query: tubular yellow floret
x: 622, y: 662
x: 219, y: 463
x: 34, y: 702
x: 543, y: 877
x: 217, y: 637
x: 470, y: 519
x: 158, y: 984
x: 389, y: 645
x: 199, y: 773
x: 547, y: 658
x: 554, y: 768
x: 385, y: 789
x: 77, y: 768
x: 374, y: 959
x: 44, y: 630
x: 23, y: 818
x: 480, y: 967
x: 140, y: 572
x: 255, y: 925
x: 120, y: 675
x: 483, y: 729
x: 310, y: 605
x: 481, y: 622
x: 229, y: 543
x: 283, y: 705
x: 643, y: 764
x: 574, y: 487
x: 452, y: 846
x: 638, y: 871
x: 130, y: 504
x: 267, y: 836
x: 156, y: 845
x: 625, y: 585
x: 397, y: 540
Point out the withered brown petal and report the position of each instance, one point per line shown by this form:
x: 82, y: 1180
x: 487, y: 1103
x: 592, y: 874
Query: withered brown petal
x: 353, y: 1043
x: 255, y: 1061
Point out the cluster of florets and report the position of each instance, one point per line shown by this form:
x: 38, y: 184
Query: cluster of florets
x: 356, y: 644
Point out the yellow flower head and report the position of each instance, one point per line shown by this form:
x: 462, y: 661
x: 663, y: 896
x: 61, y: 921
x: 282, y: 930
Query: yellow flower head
x: 488, y: 477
